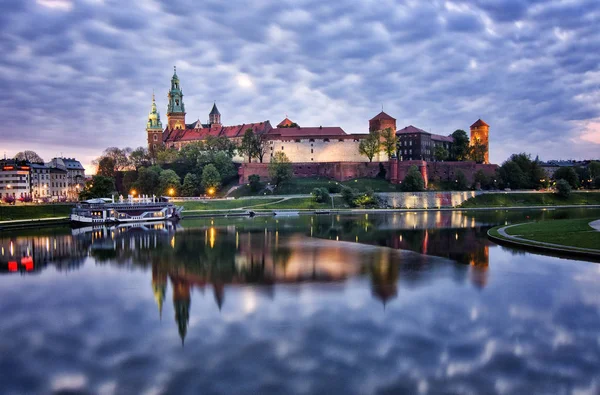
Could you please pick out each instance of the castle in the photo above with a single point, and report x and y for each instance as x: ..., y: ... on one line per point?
x: 314, y: 144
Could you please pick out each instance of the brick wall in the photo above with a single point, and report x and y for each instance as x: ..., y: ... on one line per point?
x: 340, y: 171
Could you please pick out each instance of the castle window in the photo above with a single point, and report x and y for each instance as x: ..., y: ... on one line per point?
x: 341, y: 140
x: 297, y: 140
x: 155, y: 137
x: 325, y: 140
x: 312, y: 140
x: 282, y: 147
x: 311, y: 150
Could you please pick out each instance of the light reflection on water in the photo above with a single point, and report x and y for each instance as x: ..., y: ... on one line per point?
x: 423, y: 303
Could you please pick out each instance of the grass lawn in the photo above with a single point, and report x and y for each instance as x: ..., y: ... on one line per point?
x: 223, y: 204
x: 33, y: 211
x: 568, y: 232
x: 502, y: 199
x: 304, y: 204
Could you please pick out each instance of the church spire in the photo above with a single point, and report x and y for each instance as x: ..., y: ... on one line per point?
x: 154, y: 122
x: 214, y: 116
x: 175, y: 108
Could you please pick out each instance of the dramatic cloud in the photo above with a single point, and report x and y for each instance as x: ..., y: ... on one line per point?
x: 78, y: 75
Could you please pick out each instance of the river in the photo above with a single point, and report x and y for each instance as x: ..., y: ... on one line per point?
x: 418, y: 303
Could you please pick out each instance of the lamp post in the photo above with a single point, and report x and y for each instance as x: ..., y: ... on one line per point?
x: 171, y: 192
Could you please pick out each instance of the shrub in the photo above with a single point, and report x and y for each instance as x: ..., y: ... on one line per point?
x: 334, y: 187
x: 366, y: 199
x: 461, y: 181
x: 413, y: 182
x: 597, y: 182
x: 349, y: 194
x: 254, y: 181
x: 563, y: 188
x: 320, y: 195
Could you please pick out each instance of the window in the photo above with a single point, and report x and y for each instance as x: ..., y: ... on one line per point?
x: 325, y: 140
x: 298, y: 140
x: 282, y: 147
x: 410, y: 143
x: 311, y: 150
x: 312, y: 140
x: 155, y: 137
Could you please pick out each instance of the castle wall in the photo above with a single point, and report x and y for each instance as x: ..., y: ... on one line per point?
x: 426, y: 200
x: 318, y: 150
x: 446, y: 171
x: 339, y: 171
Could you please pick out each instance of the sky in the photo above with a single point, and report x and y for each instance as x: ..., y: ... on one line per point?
x: 77, y: 76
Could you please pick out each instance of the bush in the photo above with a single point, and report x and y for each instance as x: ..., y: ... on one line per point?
x: 320, y: 195
x: 366, y: 199
x: 254, y: 181
x: 563, y: 188
x: 413, y: 182
x: 349, y: 194
x: 597, y: 182
x: 334, y: 187
x: 567, y: 174
x: 461, y: 181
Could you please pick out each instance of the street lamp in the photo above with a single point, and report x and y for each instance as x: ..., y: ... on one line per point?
x: 133, y: 192
x: 171, y: 191
x: 211, y: 191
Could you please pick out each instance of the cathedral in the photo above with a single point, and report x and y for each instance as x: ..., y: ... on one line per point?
x: 313, y: 144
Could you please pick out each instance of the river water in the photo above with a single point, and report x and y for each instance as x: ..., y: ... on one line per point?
x: 417, y: 303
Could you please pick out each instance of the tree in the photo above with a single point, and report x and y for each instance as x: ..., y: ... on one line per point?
x: 29, y: 156
x: 260, y: 147
x: 120, y: 157
x: 320, y: 195
x: 98, y: 187
x: 512, y: 176
x: 190, y: 185
x: 166, y: 155
x: 280, y: 168
x: 597, y: 182
x: 481, y: 180
x: 476, y: 152
x: 569, y: 175
x: 210, y: 177
x: 370, y: 146
x: 148, y: 182
x: 563, y: 188
x: 106, y: 167
x: 254, y: 181
x: 440, y: 153
x: 390, y: 142
x: 224, y: 166
x: 594, y: 168
x: 169, y: 180
x: 460, y: 147
x: 461, y: 181
x: 220, y: 143
x: 413, y: 181
x: 139, y: 157
x: 247, y: 146
x: 129, y: 179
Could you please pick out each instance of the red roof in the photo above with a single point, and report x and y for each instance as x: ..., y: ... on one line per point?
x: 192, y: 134
x: 285, y: 122
x: 382, y: 115
x: 308, y: 132
x: 479, y: 123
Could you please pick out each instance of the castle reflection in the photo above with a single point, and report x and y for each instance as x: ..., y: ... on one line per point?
x: 264, y: 252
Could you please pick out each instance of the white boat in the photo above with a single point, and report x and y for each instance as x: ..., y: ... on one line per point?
x: 286, y: 213
x: 143, y: 209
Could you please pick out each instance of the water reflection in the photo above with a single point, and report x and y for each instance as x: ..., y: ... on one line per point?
x: 316, y: 300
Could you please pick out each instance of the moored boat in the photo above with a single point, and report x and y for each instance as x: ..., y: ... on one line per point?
x: 143, y: 209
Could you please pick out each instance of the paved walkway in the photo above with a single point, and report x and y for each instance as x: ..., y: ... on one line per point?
x: 522, y: 240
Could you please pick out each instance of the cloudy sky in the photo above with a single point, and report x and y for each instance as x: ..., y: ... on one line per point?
x: 77, y: 76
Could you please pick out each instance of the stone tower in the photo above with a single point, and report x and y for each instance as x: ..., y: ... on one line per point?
x: 154, y: 128
x: 382, y: 121
x: 480, y: 134
x: 214, y: 118
x: 175, y: 109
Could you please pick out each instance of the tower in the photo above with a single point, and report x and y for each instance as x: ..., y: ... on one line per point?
x: 154, y: 128
x: 214, y: 118
x: 175, y: 108
x: 382, y: 121
x: 480, y: 135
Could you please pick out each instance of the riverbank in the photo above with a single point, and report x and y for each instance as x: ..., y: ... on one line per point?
x: 565, y: 236
x: 539, y: 199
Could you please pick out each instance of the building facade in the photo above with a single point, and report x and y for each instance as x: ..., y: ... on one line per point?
x: 74, y: 177
x: 14, y: 180
x: 417, y: 144
x: 40, y: 181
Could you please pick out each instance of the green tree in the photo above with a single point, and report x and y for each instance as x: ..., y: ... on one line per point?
x: 440, y: 153
x: 460, y: 146
x: 320, y: 195
x: 413, y: 181
x: 166, y: 155
x: 254, y: 181
x: 139, y: 157
x: 594, y: 168
x: 247, y: 145
x: 220, y: 143
x: 210, y: 177
x: 190, y: 185
x: 129, y: 179
x: 569, y: 175
x: 148, y: 182
x: 597, y: 182
x: 511, y: 176
x: 476, y: 152
x: 481, y: 180
x: 106, y: 167
x: 280, y: 168
x: 224, y: 165
x: 390, y: 142
x: 461, y: 181
x: 169, y: 180
x: 563, y: 188
x: 98, y: 187
x: 370, y: 146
